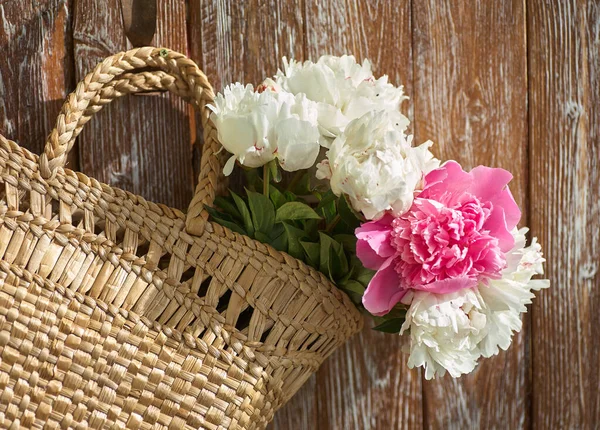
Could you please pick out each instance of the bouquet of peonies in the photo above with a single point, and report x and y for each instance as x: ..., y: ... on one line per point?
x: 430, y: 250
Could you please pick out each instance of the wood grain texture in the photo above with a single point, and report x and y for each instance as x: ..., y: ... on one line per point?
x: 471, y: 99
x: 141, y: 143
x: 244, y: 42
x: 490, y: 83
x: 37, y: 68
x: 366, y: 384
x: 564, y: 92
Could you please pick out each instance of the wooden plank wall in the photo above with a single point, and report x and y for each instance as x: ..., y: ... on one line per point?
x: 470, y: 98
x: 507, y: 83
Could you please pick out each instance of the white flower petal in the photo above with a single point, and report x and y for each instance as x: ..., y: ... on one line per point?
x: 449, y: 332
x: 236, y: 133
x: 251, y: 126
x: 298, y: 144
x: 228, y: 168
x: 344, y: 89
x: 376, y: 166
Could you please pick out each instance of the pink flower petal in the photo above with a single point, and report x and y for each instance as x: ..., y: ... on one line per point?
x: 496, y: 224
x: 368, y: 256
x: 446, y: 183
x: 373, y: 246
x: 384, y: 290
x: 488, y: 182
x: 512, y: 213
x: 455, y: 235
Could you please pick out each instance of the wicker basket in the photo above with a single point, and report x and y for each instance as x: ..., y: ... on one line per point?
x: 118, y: 312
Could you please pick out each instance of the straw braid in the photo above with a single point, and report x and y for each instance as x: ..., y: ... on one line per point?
x: 185, y: 298
x: 81, y: 192
x: 212, y: 330
x: 131, y: 83
x: 96, y: 91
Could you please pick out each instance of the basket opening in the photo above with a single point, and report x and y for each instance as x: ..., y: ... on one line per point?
x: 55, y: 205
x: 265, y: 334
x: 309, y: 343
x: 77, y: 218
x: 204, y: 286
x: 244, y: 318
x: 165, y: 260
x: 142, y: 248
x: 23, y: 198
x: 188, y: 274
x: 99, y: 227
x: 120, y: 236
x: 224, y: 302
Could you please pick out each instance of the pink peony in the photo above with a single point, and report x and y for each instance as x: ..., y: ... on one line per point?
x: 455, y: 235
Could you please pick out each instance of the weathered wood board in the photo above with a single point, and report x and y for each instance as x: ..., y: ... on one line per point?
x: 514, y: 84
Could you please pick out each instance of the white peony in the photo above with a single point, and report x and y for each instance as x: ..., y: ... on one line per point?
x: 257, y: 127
x: 343, y: 89
x: 445, y: 330
x: 449, y: 332
x: 506, y: 298
x: 374, y: 163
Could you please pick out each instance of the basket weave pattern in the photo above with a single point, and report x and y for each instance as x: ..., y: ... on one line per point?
x: 115, y: 311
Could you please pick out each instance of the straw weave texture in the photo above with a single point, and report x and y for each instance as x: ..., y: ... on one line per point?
x: 116, y: 312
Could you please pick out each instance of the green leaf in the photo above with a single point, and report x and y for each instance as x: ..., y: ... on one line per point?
x: 276, y: 231
x: 328, y: 212
x: 280, y: 243
x: 347, y: 213
x: 326, y: 198
x: 259, y: 235
x: 326, y: 206
x: 340, y: 261
x: 262, y: 211
x: 362, y: 274
x: 253, y: 179
x: 333, y: 261
x: 390, y: 326
x: 311, y: 229
x: 354, y: 290
x: 218, y: 214
x: 312, y: 251
x: 244, y: 213
x: 396, y: 312
x: 277, y: 197
x: 348, y: 276
x: 325, y: 254
x: 224, y: 220
x: 295, y: 211
x: 227, y: 206
x: 354, y: 287
x: 348, y: 241
x: 302, y: 188
x: 289, y: 196
x: 294, y: 235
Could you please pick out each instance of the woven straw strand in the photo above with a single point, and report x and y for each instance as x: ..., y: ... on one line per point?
x: 115, y: 313
x: 75, y: 113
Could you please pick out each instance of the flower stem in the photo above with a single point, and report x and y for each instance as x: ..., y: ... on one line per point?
x: 266, y: 179
x: 333, y: 223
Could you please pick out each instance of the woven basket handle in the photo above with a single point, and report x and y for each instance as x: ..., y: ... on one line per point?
x: 138, y: 70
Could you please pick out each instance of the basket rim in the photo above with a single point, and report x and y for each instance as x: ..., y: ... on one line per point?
x: 65, y: 232
x: 27, y: 167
